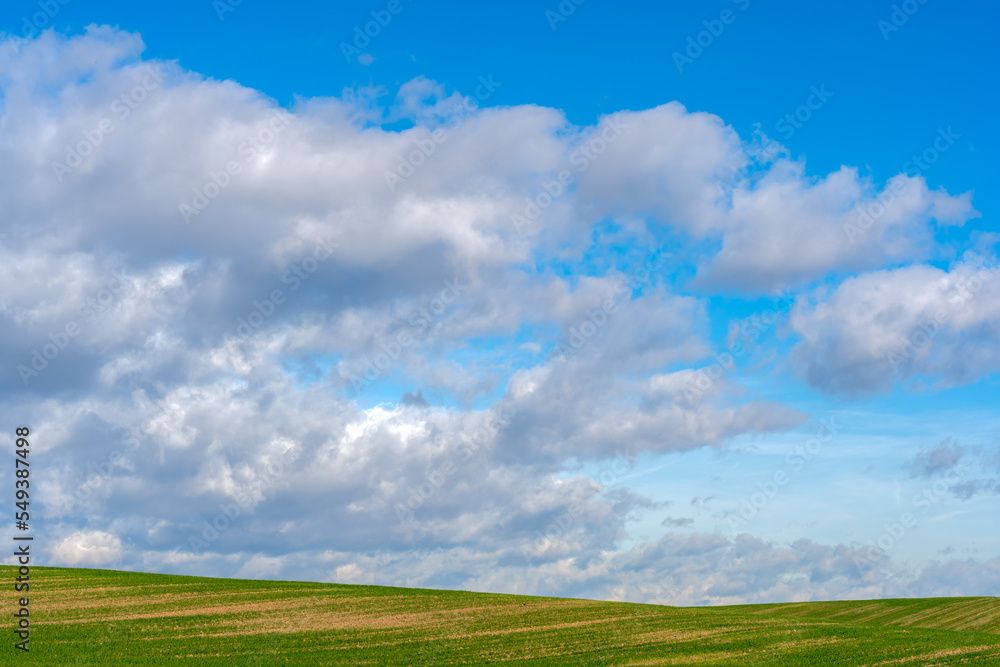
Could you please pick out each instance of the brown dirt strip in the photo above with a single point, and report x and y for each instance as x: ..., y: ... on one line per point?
x: 940, y: 654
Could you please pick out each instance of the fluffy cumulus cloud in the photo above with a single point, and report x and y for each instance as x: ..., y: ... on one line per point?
x: 269, y: 342
x: 917, y: 322
x: 87, y: 548
x: 786, y: 230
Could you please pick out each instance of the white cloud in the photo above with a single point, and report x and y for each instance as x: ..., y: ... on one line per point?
x: 677, y: 569
x: 786, y: 229
x: 890, y: 326
x: 260, y: 567
x: 666, y: 164
x: 88, y: 547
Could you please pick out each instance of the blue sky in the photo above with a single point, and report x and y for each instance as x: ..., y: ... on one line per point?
x: 549, y: 222
x: 890, y: 95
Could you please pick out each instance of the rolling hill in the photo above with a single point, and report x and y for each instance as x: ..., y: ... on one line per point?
x: 103, y: 617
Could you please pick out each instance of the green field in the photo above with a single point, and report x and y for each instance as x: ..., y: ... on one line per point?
x: 103, y: 617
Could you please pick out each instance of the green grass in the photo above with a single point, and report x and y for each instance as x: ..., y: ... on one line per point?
x: 102, y: 617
